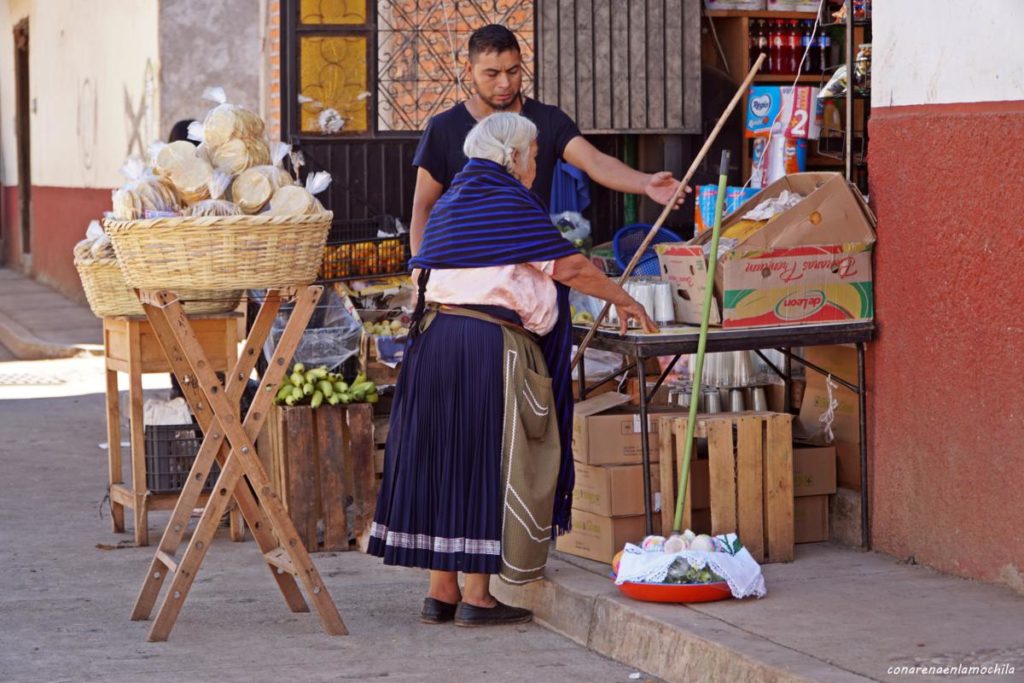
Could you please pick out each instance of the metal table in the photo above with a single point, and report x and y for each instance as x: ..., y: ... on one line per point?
x: 679, y: 340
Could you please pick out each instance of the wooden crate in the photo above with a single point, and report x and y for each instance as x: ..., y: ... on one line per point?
x: 370, y: 365
x: 321, y: 462
x: 381, y: 426
x: 750, y: 460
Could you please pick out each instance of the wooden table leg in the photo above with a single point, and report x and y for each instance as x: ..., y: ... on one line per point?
x: 114, y: 471
x: 236, y: 524
x: 251, y: 511
x: 290, y: 557
x: 137, y: 430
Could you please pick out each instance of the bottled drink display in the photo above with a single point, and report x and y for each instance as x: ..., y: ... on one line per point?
x: 810, y: 46
x: 777, y: 39
x: 824, y: 47
x: 753, y: 42
x: 795, y: 51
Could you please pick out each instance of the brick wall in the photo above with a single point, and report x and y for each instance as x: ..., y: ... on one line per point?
x: 415, y: 87
x: 272, y: 60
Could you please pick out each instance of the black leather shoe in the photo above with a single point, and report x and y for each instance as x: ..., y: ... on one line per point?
x: 471, y: 615
x: 437, y: 612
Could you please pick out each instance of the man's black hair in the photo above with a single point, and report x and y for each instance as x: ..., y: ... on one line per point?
x: 180, y: 132
x: 492, y: 38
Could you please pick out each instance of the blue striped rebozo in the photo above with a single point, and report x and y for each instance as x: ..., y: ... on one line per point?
x: 488, y: 218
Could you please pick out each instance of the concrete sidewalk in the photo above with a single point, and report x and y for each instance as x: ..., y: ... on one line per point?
x: 835, y: 614
x: 36, y: 322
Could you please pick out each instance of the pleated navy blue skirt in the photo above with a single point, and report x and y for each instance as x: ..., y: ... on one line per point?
x: 439, y: 505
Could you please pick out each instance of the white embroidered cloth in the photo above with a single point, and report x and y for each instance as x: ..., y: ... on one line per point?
x: 733, y: 563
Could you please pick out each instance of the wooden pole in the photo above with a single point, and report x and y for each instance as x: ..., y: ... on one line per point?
x: 670, y: 205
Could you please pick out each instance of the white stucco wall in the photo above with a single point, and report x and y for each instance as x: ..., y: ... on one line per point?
x: 94, y: 72
x: 11, y: 12
x: 944, y: 51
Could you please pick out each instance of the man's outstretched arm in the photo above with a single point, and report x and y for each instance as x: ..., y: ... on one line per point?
x: 608, y: 171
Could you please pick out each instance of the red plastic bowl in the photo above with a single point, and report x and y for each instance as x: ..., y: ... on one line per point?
x: 677, y: 592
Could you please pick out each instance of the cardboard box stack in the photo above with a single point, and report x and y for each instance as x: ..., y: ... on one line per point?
x: 841, y: 361
x: 608, y: 501
x: 814, y: 479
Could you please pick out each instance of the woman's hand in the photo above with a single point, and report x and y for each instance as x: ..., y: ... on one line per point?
x: 633, y: 310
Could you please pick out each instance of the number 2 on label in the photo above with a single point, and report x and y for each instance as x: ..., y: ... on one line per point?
x: 798, y: 127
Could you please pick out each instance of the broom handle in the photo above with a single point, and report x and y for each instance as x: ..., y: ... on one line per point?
x: 702, y: 342
x: 670, y: 205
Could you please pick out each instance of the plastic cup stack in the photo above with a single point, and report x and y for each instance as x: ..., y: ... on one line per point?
x: 712, y: 400
x: 736, y: 401
x: 664, y: 309
x: 759, y: 400
x: 645, y: 295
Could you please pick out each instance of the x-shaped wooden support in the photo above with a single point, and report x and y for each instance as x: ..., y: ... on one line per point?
x: 242, y: 478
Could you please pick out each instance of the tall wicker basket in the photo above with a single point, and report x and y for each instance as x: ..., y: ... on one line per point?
x: 220, y: 252
x: 109, y: 295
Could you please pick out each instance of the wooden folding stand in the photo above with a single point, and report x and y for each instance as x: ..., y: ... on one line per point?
x: 231, y: 441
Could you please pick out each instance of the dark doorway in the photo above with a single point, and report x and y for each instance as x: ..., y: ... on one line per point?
x: 22, y: 116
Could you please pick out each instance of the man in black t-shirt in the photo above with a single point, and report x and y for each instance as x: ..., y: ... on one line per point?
x: 495, y: 69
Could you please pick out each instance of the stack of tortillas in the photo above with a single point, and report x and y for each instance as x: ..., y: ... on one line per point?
x: 213, y: 207
x: 192, y: 179
x: 254, y: 187
x: 227, y: 121
x: 170, y: 156
x: 151, y: 193
x: 190, y: 173
x: 238, y: 154
x: 293, y: 200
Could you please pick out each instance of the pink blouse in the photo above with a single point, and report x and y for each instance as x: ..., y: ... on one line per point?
x: 525, y: 288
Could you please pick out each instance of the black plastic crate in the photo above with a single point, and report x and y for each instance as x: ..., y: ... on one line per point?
x: 170, y: 452
x: 354, y: 250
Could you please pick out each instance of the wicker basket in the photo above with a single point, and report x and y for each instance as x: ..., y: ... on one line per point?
x: 110, y: 296
x: 220, y: 252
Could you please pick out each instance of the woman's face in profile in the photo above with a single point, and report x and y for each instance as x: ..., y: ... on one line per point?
x: 526, y: 169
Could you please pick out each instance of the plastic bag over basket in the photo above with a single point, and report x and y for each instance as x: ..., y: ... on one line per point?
x: 331, y: 338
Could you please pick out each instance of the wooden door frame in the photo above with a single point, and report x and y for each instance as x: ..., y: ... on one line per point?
x: 23, y: 134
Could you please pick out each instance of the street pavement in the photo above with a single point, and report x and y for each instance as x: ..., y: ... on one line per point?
x: 68, y: 583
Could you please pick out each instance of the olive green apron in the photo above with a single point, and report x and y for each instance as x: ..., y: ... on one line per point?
x: 530, y: 453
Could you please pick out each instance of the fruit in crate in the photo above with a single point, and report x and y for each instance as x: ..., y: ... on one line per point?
x: 386, y: 328
x: 364, y: 258
x: 318, y: 386
x: 391, y: 255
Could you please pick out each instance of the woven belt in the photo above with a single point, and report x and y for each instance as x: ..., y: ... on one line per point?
x: 486, y: 317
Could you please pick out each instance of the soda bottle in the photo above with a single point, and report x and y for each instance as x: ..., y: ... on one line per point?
x: 824, y: 45
x: 762, y: 39
x: 810, y: 47
x: 753, y: 43
x: 793, y: 37
x: 778, y: 40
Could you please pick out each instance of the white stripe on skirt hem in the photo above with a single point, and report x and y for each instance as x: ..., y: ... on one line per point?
x: 438, y: 544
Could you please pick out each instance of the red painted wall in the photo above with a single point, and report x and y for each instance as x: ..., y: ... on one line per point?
x: 60, y: 216
x: 946, y: 375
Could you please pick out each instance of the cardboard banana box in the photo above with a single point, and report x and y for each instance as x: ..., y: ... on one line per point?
x: 809, y: 264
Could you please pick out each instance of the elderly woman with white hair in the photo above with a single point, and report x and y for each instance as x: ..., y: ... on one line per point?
x: 478, y: 471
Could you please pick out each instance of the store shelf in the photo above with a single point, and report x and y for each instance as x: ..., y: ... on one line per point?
x: 813, y: 79
x: 833, y: 148
x: 761, y: 14
x: 857, y: 95
x: 857, y: 23
x: 816, y: 161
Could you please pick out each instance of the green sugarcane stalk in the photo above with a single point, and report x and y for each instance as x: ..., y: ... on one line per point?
x: 698, y: 370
